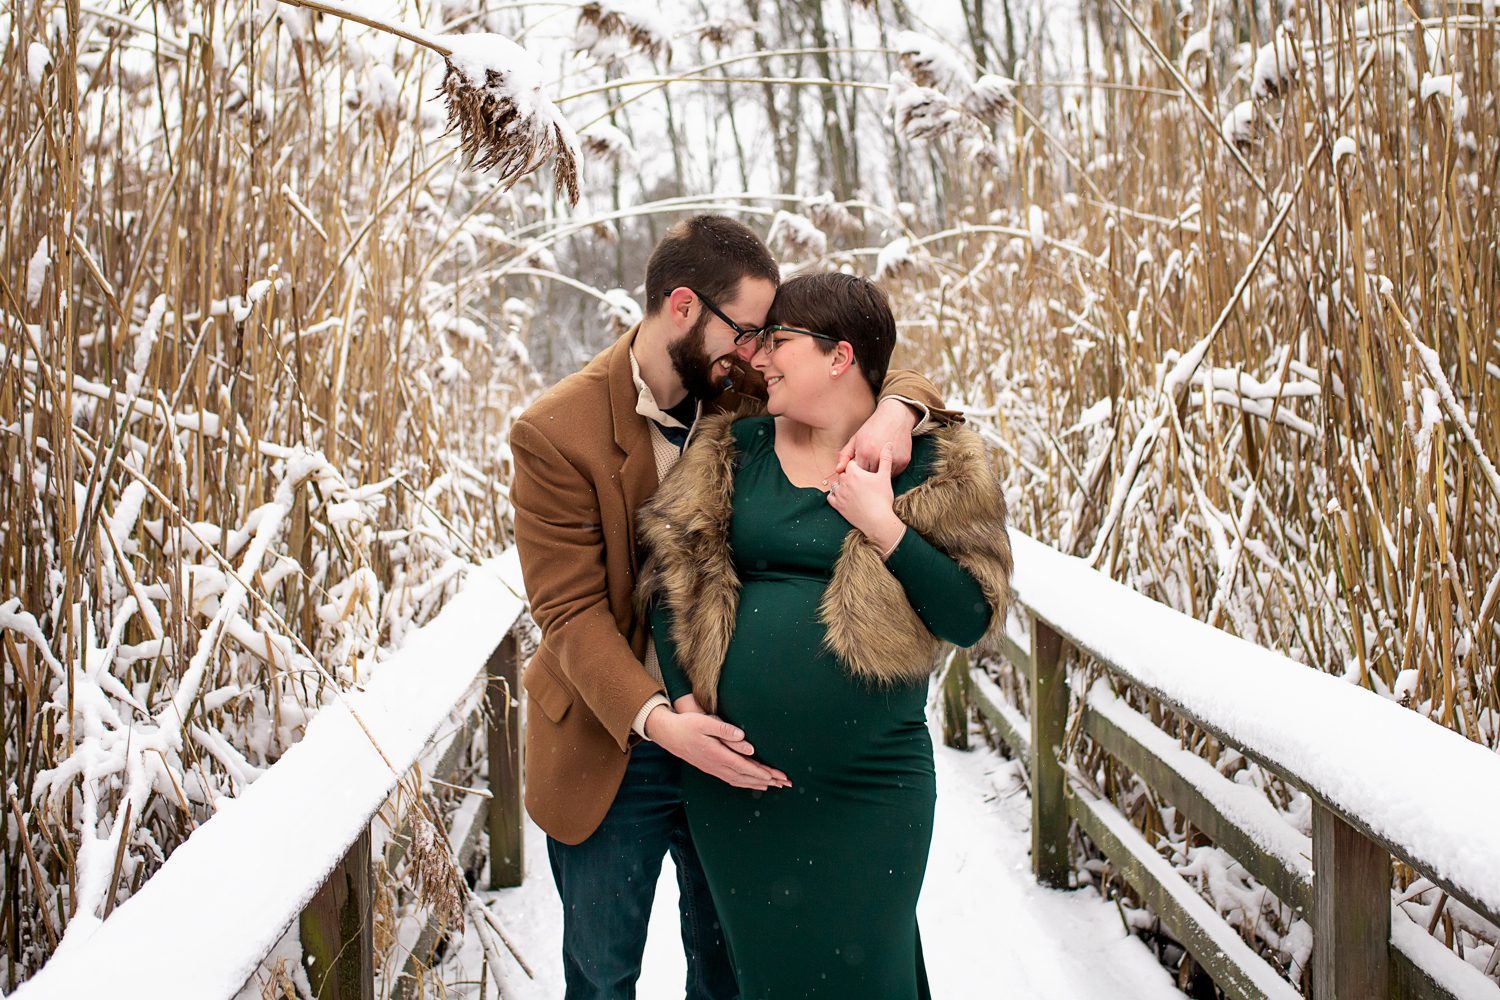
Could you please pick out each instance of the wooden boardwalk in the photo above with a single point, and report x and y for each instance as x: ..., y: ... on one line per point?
x: 988, y: 929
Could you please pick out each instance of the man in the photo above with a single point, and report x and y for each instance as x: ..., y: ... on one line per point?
x: 603, y: 746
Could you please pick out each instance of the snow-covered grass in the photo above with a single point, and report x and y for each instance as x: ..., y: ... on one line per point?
x: 230, y: 891
x: 1280, y: 429
x: 240, y: 466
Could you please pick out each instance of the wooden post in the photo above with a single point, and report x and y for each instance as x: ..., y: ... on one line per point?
x: 956, y: 701
x: 506, y: 824
x: 338, y: 929
x: 1049, y: 720
x: 1351, y: 911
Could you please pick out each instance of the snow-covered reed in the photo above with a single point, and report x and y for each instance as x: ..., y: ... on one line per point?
x: 1222, y: 297
x: 242, y: 461
x: 1269, y: 405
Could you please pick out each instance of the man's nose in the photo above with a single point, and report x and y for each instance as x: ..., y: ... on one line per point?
x: 748, y: 350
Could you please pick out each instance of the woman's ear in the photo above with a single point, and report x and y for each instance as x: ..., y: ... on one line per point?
x: 842, y: 358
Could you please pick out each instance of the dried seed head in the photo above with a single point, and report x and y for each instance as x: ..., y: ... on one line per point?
x: 796, y: 236
x: 991, y: 96
x: 830, y: 215
x: 925, y: 114
x: 622, y: 311
x: 976, y: 147
x: 504, y: 120
x: 723, y: 33
x: 433, y: 873
x: 606, y: 143
x: 1277, y: 65
x: 1242, y: 125
x: 930, y: 63
x: 898, y: 261
x: 600, y: 21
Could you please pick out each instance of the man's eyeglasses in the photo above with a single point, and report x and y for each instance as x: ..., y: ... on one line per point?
x: 742, y: 334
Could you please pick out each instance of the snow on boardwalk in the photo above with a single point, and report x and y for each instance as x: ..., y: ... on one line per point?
x: 987, y: 928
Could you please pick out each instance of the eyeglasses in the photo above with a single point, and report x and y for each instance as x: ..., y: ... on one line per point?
x: 768, y: 343
x: 742, y: 334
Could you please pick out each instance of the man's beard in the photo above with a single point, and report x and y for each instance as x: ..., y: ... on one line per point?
x: 691, y: 362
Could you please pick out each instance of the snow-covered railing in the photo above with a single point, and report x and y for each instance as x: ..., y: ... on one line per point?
x: 1384, y: 782
x: 295, y: 846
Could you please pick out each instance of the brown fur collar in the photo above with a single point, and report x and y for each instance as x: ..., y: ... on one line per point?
x: 872, y: 628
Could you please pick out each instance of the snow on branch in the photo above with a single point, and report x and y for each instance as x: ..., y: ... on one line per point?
x: 795, y: 235
x: 606, y: 21
x: 504, y: 120
x: 496, y: 104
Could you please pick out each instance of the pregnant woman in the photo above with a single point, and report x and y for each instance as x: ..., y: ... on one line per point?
x: 807, y: 608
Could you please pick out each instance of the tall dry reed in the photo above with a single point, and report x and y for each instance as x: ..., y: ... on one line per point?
x: 247, y: 446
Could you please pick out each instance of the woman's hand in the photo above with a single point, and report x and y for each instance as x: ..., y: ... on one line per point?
x: 866, y: 500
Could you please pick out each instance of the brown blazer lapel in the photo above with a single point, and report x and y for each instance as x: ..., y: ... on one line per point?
x: 638, y: 471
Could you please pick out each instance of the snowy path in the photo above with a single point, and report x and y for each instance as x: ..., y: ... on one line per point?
x: 988, y: 929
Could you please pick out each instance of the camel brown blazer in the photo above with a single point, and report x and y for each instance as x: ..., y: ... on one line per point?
x: 583, y: 467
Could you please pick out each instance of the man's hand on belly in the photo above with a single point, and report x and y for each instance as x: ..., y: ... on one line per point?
x: 713, y: 746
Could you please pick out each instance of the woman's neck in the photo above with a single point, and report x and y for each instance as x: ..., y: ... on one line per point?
x: 823, y: 436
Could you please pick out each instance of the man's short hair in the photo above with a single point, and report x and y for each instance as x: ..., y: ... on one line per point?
x: 845, y: 307
x: 710, y: 254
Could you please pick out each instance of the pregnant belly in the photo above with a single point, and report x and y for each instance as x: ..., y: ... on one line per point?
x: 798, y: 704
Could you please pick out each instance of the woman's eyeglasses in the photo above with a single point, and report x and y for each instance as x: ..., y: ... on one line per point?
x: 760, y: 334
x: 767, y: 340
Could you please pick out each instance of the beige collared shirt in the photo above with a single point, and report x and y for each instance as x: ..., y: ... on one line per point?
x: 666, y: 454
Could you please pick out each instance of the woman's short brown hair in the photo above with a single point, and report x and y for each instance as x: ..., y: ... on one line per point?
x: 845, y: 307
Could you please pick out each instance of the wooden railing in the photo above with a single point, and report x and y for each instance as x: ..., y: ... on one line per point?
x: 295, y: 846
x: 1339, y: 880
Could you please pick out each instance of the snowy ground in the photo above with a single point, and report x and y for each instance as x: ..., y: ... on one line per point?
x: 988, y: 929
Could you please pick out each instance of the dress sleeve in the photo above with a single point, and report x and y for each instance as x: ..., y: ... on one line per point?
x: 947, y: 599
x: 666, y: 651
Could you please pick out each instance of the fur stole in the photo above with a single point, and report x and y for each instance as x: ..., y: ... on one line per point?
x: 871, y: 627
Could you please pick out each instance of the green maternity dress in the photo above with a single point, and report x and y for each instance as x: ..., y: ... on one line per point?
x: 817, y: 885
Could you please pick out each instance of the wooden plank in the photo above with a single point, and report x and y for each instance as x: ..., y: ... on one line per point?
x: 1351, y: 911
x: 1409, y: 981
x: 956, y: 701
x: 1237, y: 970
x: 506, y: 815
x: 1050, y: 860
x: 338, y: 935
x: 1018, y: 655
x: 1406, y: 854
x: 1014, y: 728
x: 1292, y: 885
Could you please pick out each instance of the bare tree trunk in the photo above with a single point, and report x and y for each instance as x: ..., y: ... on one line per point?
x: 974, y: 19
x: 851, y: 72
x: 784, y: 133
x: 833, y: 126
